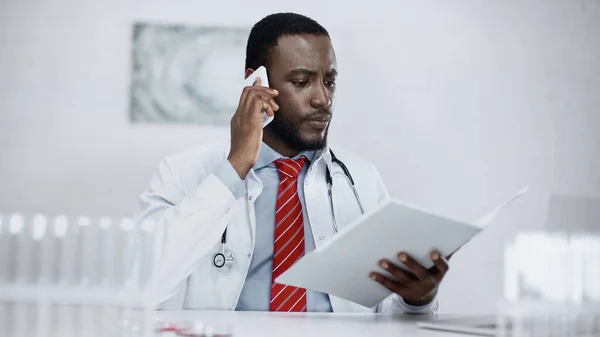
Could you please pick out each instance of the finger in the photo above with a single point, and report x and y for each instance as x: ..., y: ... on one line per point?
x: 248, y: 98
x: 401, y: 276
x: 249, y: 104
x: 258, y: 106
x: 418, y: 270
x: 244, y: 97
x: 268, y: 109
x: 255, y: 106
x: 391, y: 285
x: 249, y: 94
x: 269, y: 105
x: 257, y: 82
x: 271, y: 102
x: 441, y: 266
x: 270, y: 92
x: 274, y: 104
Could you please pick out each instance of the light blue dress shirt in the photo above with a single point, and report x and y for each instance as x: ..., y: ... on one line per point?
x: 256, y: 293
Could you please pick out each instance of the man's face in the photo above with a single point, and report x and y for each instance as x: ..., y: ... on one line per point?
x: 303, y: 70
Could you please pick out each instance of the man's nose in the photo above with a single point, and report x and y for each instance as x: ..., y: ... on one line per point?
x: 320, y: 96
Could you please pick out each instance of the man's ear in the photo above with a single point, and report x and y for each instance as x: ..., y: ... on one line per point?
x: 248, y: 72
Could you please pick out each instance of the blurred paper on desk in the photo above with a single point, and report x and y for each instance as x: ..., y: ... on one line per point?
x: 341, y: 267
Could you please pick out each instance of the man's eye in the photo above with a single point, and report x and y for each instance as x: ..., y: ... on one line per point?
x: 330, y: 84
x: 299, y: 83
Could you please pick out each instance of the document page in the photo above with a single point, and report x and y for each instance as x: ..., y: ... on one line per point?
x: 341, y: 267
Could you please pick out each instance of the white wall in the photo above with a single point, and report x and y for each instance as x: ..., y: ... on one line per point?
x: 459, y: 103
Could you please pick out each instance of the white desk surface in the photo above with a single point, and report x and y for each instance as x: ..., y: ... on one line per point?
x: 265, y: 324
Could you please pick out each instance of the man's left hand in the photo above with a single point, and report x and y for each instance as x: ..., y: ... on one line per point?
x: 417, y: 286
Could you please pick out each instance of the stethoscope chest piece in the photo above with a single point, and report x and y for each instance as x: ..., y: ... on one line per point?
x: 223, y: 259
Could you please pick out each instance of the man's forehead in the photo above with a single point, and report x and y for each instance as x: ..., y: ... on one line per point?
x: 308, y: 51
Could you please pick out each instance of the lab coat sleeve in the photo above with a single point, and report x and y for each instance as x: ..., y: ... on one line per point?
x: 227, y: 174
x: 187, y: 227
x: 395, y: 303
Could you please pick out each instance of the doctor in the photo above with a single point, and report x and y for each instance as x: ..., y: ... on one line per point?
x: 232, y: 219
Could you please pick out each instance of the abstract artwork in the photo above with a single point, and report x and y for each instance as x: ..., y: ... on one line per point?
x: 186, y: 74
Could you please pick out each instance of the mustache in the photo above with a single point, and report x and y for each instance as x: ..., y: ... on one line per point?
x: 318, y: 115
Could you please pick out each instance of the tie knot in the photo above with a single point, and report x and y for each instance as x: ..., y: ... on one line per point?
x: 290, y: 167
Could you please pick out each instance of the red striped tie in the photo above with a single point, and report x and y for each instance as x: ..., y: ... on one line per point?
x: 289, y: 236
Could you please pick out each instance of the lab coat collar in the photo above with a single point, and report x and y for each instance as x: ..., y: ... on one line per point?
x: 267, y: 156
x: 323, y: 154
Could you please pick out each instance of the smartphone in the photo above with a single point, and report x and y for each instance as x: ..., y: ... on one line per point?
x: 262, y: 73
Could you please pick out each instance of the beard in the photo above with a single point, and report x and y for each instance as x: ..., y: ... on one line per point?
x: 287, y: 131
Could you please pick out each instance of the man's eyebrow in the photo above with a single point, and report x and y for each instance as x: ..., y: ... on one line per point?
x: 307, y: 72
x: 302, y: 71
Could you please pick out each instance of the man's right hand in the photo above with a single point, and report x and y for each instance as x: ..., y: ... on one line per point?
x: 247, y: 126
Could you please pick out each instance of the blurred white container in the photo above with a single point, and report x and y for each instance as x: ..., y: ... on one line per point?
x: 66, y: 276
x: 551, y: 285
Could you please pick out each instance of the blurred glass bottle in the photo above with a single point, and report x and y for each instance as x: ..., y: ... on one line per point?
x: 5, y: 253
x: 68, y: 252
x: 141, y: 251
x: 23, y: 262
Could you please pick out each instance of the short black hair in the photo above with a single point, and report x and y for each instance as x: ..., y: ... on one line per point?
x: 266, y: 32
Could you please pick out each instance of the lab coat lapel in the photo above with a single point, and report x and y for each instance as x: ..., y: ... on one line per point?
x: 319, y: 212
x: 254, y: 188
x: 316, y: 198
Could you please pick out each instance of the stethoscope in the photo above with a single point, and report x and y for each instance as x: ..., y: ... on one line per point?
x: 224, y: 259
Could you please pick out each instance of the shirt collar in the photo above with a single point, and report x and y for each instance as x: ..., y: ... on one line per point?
x: 267, y: 156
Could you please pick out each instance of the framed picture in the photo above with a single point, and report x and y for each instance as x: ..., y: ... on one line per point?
x: 186, y: 74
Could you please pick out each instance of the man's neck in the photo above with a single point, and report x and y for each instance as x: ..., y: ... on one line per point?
x: 279, y: 146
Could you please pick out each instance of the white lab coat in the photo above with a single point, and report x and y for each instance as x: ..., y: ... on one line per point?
x: 192, y: 208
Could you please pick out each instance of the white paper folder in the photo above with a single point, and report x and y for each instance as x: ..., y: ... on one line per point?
x: 341, y: 267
